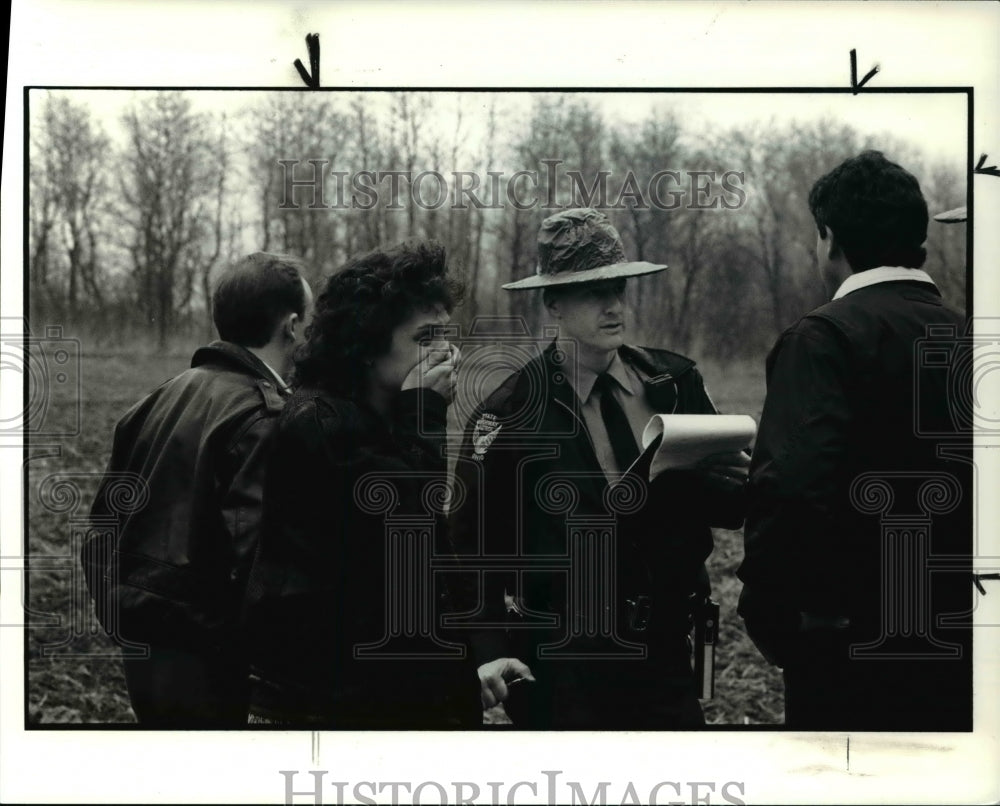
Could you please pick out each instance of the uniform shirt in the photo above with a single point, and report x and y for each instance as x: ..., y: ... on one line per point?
x: 628, y: 391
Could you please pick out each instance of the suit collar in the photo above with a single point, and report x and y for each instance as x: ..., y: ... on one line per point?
x: 883, y: 274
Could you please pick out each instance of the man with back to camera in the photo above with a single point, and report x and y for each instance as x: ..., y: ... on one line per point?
x: 175, y: 578
x: 836, y: 592
x: 576, y: 414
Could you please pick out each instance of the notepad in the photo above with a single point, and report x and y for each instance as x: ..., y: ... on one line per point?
x: 679, y: 441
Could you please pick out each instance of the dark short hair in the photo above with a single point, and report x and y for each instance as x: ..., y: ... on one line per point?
x: 251, y: 298
x: 876, y: 211
x: 362, y: 304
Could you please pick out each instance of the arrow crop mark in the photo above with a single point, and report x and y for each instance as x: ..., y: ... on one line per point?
x: 855, y: 84
x: 312, y: 76
x: 988, y: 170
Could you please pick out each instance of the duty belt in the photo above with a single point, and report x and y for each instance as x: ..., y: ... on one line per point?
x: 662, y: 617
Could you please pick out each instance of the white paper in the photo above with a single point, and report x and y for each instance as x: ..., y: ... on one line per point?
x: 689, y: 438
x: 628, y: 45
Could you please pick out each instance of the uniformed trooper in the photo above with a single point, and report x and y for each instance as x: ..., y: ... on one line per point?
x: 608, y: 638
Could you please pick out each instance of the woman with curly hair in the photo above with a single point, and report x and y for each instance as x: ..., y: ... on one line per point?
x: 339, y: 637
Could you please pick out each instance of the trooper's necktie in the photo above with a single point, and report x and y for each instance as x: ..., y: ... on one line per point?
x: 619, y: 431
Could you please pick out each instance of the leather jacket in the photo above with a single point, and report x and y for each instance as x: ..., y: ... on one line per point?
x: 176, y: 518
x: 346, y: 488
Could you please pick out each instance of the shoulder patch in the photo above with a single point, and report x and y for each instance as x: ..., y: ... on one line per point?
x: 485, y: 430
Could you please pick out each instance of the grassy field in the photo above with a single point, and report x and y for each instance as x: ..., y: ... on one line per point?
x: 748, y: 691
x: 74, y: 672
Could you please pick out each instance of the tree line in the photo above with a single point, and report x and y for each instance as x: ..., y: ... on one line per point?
x: 127, y: 233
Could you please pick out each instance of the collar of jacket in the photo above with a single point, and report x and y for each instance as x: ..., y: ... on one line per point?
x: 235, y: 357
x: 661, y: 367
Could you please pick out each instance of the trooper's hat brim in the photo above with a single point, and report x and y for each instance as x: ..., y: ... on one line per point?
x: 612, y: 272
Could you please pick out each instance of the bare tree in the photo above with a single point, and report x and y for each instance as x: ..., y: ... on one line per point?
x: 365, y: 229
x: 208, y: 253
x: 945, y: 188
x: 780, y: 165
x: 650, y: 233
x: 69, y: 192
x: 166, y: 181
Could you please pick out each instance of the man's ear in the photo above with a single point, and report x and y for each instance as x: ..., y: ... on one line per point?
x: 832, y: 245
x: 289, y: 326
x: 551, y: 303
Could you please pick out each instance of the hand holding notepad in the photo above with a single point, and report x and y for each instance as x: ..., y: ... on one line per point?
x: 685, y: 440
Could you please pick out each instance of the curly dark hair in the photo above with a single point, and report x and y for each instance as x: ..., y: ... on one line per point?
x: 876, y: 210
x: 362, y: 304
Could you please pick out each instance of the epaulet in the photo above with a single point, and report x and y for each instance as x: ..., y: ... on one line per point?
x: 270, y: 396
x: 498, y: 402
x: 660, y: 365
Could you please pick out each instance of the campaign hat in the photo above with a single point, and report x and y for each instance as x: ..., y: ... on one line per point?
x: 580, y: 246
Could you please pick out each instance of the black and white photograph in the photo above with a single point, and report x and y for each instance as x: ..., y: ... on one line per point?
x: 540, y: 427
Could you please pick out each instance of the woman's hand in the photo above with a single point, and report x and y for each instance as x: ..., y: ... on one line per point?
x: 437, y: 370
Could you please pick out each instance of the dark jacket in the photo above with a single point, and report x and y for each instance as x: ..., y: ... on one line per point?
x: 192, y: 455
x: 342, y: 485
x: 530, y: 432
x: 854, y: 388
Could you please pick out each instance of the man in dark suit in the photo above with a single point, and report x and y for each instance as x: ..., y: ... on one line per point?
x: 858, y: 533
